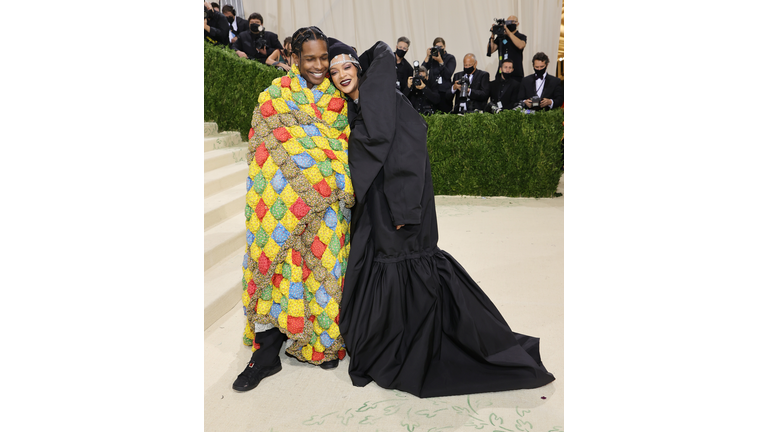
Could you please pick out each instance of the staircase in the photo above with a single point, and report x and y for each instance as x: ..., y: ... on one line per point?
x: 225, y: 178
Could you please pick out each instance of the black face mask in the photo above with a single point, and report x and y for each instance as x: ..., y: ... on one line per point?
x: 469, y: 71
x: 540, y: 73
x: 511, y: 27
x: 400, y: 53
x: 507, y: 75
x: 230, y: 19
x: 255, y: 28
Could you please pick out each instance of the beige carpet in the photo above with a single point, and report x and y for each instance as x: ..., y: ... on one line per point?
x: 513, y: 248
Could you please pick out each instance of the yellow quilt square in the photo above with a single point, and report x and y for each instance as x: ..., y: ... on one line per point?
x: 271, y: 249
x: 318, y: 345
x: 282, y: 319
x: 328, y: 260
x: 253, y: 170
x: 296, y: 307
x: 296, y: 273
x: 288, y: 195
x: 324, y: 100
x: 306, y: 352
x: 333, y: 331
x: 338, y: 166
x: 255, y: 251
x: 296, y: 131
x: 332, y: 309
x: 269, y: 196
x: 285, y: 286
x: 318, y: 154
x: 269, y: 223
x: 293, y: 147
x: 325, y: 233
x: 264, y: 307
x: 312, y: 284
x: 263, y: 97
x: 321, y: 142
x: 252, y: 198
x: 313, y: 174
x: 280, y: 106
x: 315, y: 308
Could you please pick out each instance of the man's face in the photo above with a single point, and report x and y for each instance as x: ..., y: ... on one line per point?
x: 229, y: 14
x: 469, y: 62
x: 313, y: 63
x: 539, y: 65
x: 507, y: 67
x: 441, y: 45
x: 402, y: 46
x: 513, y: 19
x: 254, y: 21
x: 423, y: 75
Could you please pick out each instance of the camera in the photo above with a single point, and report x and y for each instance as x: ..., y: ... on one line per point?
x: 259, y: 42
x: 535, y: 102
x: 492, y: 108
x: 437, y: 50
x: 464, y: 83
x: 416, y: 76
x: 498, y: 28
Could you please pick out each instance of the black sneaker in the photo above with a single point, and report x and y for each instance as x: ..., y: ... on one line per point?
x: 254, y: 373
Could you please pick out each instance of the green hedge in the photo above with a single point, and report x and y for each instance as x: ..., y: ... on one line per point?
x: 232, y: 87
x: 506, y: 154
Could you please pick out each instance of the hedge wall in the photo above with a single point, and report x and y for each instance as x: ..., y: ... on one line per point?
x: 232, y: 87
x: 506, y: 154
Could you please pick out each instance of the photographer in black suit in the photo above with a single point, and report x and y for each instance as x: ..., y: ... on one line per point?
x: 441, y: 65
x: 423, y: 93
x: 236, y: 24
x: 255, y: 43
x: 215, y: 26
x: 541, y: 90
x: 510, y: 45
x: 404, y: 69
x: 479, y: 86
x: 504, y: 89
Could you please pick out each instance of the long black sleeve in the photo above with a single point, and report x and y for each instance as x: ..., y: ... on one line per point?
x: 481, y: 92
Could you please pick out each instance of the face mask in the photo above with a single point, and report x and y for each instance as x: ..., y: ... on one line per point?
x: 400, y: 53
x: 469, y: 71
x: 255, y: 28
x: 540, y: 73
x: 507, y: 75
x: 230, y: 19
x: 512, y: 27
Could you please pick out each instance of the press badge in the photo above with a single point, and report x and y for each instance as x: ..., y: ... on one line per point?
x: 439, y: 80
x: 506, y: 56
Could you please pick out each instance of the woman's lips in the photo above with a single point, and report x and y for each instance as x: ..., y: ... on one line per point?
x: 345, y: 82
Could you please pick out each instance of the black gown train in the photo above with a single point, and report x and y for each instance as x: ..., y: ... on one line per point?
x: 411, y: 317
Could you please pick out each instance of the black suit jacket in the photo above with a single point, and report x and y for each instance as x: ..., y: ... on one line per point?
x: 246, y: 42
x: 504, y: 91
x: 242, y: 25
x: 553, y: 89
x: 219, y: 34
x: 478, y: 97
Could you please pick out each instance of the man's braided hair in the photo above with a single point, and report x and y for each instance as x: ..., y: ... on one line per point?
x: 304, y: 34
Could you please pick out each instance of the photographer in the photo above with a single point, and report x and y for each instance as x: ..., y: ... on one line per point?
x: 510, y: 45
x: 236, y: 24
x: 404, y: 69
x: 478, y: 87
x: 256, y: 43
x: 215, y: 26
x: 281, y: 58
x: 422, y: 92
x: 441, y: 65
x: 504, y: 89
x: 540, y: 90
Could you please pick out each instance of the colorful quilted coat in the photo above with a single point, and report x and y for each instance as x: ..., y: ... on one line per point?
x: 297, y: 216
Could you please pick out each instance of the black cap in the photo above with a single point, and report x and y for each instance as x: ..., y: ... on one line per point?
x: 336, y: 47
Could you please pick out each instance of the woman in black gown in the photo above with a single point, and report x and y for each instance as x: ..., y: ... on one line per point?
x: 411, y: 317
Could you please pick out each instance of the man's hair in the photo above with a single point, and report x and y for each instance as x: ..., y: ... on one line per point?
x: 438, y: 39
x: 229, y: 8
x: 507, y: 60
x: 257, y: 16
x: 472, y: 56
x: 215, y: 5
x: 304, y: 34
x: 404, y: 39
x: 540, y: 56
x: 424, y: 69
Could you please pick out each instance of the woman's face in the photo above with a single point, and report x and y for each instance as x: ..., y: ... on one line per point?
x: 344, y: 75
x: 313, y: 64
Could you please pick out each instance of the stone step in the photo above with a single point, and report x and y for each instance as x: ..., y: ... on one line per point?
x: 224, y: 178
x: 223, y: 287
x: 210, y: 128
x: 224, y: 205
x: 223, y: 140
x: 224, y: 239
x: 221, y: 157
